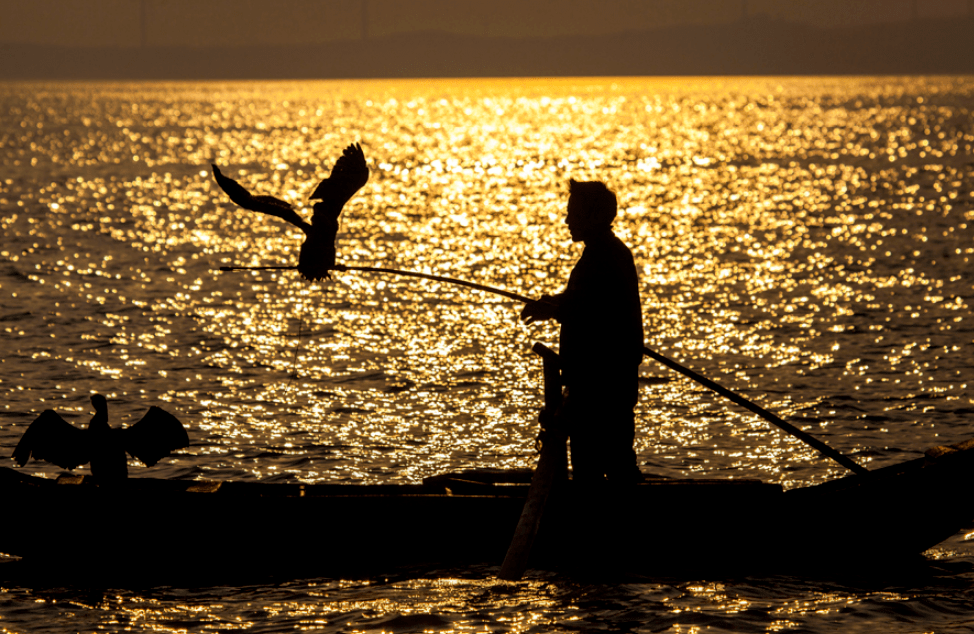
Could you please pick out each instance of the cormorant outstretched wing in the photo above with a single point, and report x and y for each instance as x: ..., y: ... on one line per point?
x: 348, y: 176
x: 263, y: 204
x: 55, y: 440
x: 154, y: 437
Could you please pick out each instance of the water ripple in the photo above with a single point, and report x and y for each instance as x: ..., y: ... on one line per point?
x: 806, y: 242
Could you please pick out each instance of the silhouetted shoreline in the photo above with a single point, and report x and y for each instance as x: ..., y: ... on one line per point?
x: 750, y: 47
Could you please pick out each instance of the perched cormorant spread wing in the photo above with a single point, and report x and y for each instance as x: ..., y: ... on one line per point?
x: 347, y: 177
x: 263, y: 204
x: 154, y: 437
x: 55, y: 440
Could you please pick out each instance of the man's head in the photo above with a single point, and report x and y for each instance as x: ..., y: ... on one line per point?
x: 591, y: 209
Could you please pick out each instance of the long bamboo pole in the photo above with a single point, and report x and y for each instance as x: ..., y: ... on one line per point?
x: 673, y: 365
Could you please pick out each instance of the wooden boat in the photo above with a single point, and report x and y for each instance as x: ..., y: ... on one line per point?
x: 147, y: 527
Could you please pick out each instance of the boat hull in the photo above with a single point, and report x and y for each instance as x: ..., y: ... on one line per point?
x: 148, y: 528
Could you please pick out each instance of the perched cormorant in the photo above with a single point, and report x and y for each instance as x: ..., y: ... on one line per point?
x: 318, y: 250
x: 55, y: 440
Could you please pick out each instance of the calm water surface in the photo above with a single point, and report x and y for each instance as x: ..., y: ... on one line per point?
x: 808, y: 242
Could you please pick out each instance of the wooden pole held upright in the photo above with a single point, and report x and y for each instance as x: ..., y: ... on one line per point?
x: 552, y: 466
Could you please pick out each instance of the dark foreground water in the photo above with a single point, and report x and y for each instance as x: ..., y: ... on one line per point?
x: 807, y: 242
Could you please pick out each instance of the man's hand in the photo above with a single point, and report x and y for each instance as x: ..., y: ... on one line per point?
x: 544, y: 308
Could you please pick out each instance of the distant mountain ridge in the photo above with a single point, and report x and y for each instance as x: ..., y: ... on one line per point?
x: 750, y: 47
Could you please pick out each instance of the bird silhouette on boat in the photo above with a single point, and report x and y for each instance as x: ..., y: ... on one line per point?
x: 53, y: 439
x: 318, y: 250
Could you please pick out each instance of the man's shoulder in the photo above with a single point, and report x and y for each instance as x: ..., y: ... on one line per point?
x: 617, y: 243
x: 609, y: 246
x: 607, y: 240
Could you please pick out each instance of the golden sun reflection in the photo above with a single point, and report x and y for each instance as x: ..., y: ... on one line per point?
x: 806, y: 242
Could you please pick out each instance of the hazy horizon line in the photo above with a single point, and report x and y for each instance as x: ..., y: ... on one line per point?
x: 763, y: 47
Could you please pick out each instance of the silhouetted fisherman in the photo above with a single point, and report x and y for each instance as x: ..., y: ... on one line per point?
x: 601, y: 340
x: 53, y: 439
x: 318, y: 250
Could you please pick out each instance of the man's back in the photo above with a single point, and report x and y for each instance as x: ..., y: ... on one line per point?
x: 601, y: 316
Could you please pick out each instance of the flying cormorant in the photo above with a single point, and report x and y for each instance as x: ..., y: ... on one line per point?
x: 318, y: 250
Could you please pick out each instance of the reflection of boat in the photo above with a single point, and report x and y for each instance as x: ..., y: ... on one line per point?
x: 663, y: 526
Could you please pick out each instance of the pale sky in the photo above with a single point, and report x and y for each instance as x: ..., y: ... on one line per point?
x: 197, y: 23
